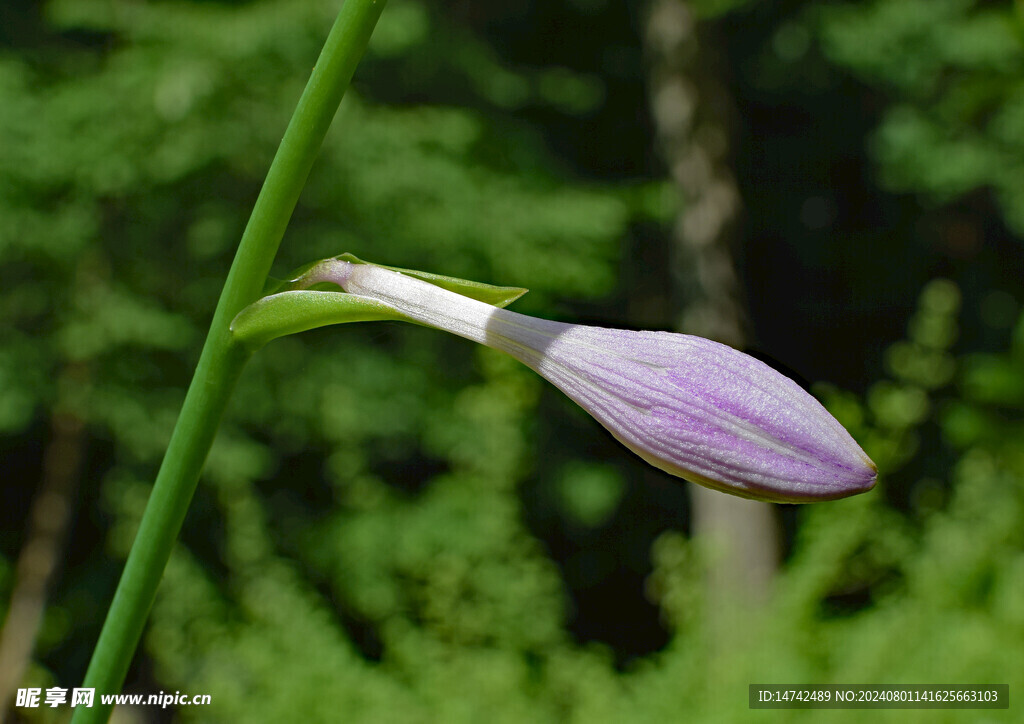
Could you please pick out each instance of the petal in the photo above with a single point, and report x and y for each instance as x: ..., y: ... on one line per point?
x: 708, y: 413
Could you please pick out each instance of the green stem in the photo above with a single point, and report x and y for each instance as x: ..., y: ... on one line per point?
x: 222, y: 359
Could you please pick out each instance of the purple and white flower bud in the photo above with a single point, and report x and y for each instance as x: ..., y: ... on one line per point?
x: 692, y: 407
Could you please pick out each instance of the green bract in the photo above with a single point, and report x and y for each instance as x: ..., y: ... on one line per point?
x: 487, y: 293
x: 290, y: 312
x: 296, y: 308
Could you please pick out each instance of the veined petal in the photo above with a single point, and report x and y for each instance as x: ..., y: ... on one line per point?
x: 692, y: 407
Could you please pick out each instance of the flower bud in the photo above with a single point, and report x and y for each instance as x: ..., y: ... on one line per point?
x: 689, y: 406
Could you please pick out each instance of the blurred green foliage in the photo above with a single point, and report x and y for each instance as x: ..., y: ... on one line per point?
x: 952, y: 68
x: 379, y: 534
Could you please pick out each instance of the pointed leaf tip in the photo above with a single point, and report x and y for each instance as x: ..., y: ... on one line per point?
x: 487, y: 293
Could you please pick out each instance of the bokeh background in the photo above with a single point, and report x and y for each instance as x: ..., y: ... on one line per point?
x: 397, y: 526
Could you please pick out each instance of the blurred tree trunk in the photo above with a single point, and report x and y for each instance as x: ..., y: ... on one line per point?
x: 48, y: 523
x: 692, y: 110
x: 49, y: 518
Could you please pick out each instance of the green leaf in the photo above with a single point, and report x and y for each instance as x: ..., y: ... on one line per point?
x: 298, y: 305
x: 487, y: 293
x: 296, y: 311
